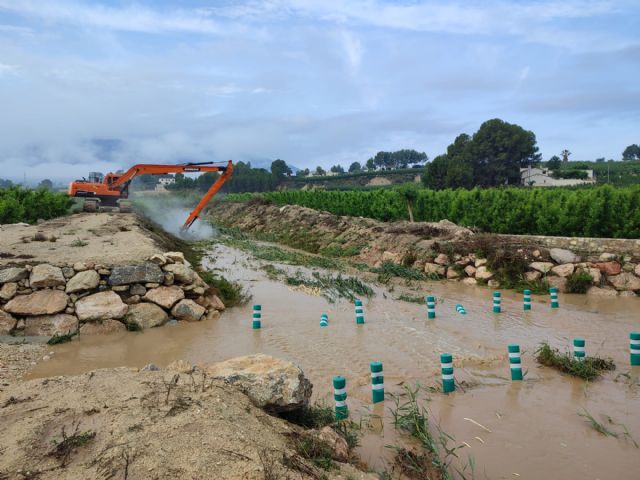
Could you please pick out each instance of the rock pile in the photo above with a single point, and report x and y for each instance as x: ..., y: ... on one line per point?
x: 610, y: 276
x: 48, y: 300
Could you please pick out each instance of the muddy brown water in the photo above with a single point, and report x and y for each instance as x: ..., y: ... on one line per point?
x: 535, y: 431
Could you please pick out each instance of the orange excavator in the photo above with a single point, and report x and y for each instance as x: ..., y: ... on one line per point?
x: 112, y: 190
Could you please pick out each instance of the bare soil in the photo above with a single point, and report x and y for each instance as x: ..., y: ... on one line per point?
x: 103, y: 238
x: 18, y: 359
x: 124, y: 423
x: 315, y: 231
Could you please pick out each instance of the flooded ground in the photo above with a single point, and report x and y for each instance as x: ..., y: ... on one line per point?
x: 531, y: 428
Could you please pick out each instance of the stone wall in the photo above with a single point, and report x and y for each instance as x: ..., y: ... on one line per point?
x: 86, y: 298
x: 611, y: 275
x: 589, y: 248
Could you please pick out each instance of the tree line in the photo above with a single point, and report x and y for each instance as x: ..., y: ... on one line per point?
x: 602, y: 211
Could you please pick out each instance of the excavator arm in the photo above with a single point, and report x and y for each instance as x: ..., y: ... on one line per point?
x: 141, y: 169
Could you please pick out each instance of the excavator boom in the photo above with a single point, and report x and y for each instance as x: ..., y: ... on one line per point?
x: 117, y: 185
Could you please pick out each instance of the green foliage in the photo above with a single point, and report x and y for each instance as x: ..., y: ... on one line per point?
x: 230, y: 293
x: 411, y: 298
x: 64, y: 338
x: 602, y: 211
x: 492, y: 157
x: 579, y: 282
x: 280, y: 169
x: 19, y: 204
x: 310, y: 447
x: 390, y: 269
x: 398, y: 159
x: 589, y: 368
x: 632, y: 152
x: 333, y: 287
x: 313, y: 416
x: 577, y: 174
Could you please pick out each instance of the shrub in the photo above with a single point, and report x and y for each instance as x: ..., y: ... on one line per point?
x: 19, y: 204
x: 579, y: 282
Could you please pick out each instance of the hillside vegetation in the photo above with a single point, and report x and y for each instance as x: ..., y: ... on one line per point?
x: 602, y: 211
x: 19, y: 204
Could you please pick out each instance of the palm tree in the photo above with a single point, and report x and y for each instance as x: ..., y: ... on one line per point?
x: 565, y: 155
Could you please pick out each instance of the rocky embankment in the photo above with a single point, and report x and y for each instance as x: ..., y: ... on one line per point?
x: 441, y: 250
x: 48, y: 299
x: 211, y: 421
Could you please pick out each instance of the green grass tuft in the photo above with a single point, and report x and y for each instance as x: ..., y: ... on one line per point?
x: 64, y: 338
x: 589, y: 369
x: 389, y: 269
x: 333, y: 287
x: 579, y: 282
x: 231, y: 293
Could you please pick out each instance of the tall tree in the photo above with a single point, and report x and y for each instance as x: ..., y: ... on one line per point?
x: 498, y: 151
x: 280, y: 169
x: 632, y: 152
x: 554, y: 163
x: 303, y: 173
x: 46, y: 183
x: 320, y: 171
x: 435, y: 173
x: 355, y: 167
x: 371, y: 164
x: 565, y: 155
x: 337, y: 169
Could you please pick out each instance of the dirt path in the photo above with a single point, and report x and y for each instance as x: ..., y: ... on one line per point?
x: 102, y: 238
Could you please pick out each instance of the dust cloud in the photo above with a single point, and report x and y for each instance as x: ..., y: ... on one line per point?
x: 170, y: 212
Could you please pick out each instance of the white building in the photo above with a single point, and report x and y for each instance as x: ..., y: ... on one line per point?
x: 542, y: 177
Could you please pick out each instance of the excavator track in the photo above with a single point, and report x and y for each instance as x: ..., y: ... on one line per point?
x: 125, y: 206
x: 91, y: 205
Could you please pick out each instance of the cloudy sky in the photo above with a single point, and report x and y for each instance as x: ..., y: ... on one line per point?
x: 102, y: 85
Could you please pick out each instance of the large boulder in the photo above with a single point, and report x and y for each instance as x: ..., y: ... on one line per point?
x: 559, y: 282
x: 563, y: 270
x: 166, y: 297
x: 8, y: 291
x: 101, y: 306
x: 146, y: 315
x: 482, y: 273
x: 609, y: 268
x: 7, y: 323
x: 596, y: 275
x: 128, y: 274
x: 625, y: 281
x: 50, y: 325
x: 442, y: 259
x: 562, y: 256
x: 85, y: 280
x: 45, y: 275
x: 102, y: 327
x: 181, y: 273
x: 602, y: 292
x: 177, y: 257
x: 431, y: 268
x: 542, y: 267
x: 532, y: 276
x: 452, y: 273
x: 42, y: 302
x: 14, y: 274
x: 210, y: 300
x: 188, y: 310
x: 270, y: 383
x: 470, y: 270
